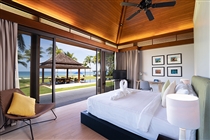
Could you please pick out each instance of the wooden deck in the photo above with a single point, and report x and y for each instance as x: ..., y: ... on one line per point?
x: 67, y: 126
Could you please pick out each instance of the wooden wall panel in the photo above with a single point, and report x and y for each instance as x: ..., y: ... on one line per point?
x: 98, y: 17
x: 40, y: 26
x: 107, y: 19
x: 170, y: 19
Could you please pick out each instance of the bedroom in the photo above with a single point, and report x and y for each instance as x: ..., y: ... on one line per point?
x: 201, y: 56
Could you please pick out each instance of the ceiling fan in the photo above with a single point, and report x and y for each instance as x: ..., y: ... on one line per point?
x: 145, y: 5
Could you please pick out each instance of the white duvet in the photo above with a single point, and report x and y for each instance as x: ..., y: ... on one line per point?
x: 140, y: 113
x: 141, y: 108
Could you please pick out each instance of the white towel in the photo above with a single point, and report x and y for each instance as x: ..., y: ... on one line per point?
x: 122, y: 92
x: 123, y: 85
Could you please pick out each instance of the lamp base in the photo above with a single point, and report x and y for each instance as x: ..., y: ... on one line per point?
x: 182, y: 134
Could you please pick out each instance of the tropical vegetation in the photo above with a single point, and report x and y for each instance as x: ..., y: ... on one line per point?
x: 24, y: 58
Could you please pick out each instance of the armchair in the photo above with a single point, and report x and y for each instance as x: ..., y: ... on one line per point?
x: 5, y: 101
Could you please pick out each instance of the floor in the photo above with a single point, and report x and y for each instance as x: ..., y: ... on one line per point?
x: 66, y: 127
x: 68, y: 97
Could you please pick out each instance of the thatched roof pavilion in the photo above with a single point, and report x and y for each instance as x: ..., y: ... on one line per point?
x: 62, y: 62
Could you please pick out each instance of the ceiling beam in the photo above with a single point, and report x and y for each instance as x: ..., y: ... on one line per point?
x: 122, y: 18
x: 156, y: 46
x: 160, y: 36
x: 168, y: 44
x: 129, y: 49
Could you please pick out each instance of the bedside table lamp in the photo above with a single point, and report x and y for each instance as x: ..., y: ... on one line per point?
x: 183, y: 111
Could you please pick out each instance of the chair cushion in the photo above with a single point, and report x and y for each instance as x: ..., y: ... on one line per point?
x: 22, y: 105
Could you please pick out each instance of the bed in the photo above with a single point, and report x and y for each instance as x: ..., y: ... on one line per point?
x: 97, y: 115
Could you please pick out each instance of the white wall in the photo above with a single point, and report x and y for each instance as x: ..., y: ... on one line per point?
x: 187, y: 52
x: 202, y: 38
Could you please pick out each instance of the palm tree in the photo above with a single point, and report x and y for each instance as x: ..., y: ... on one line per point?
x: 21, y: 43
x: 85, y: 64
x: 50, y: 50
x: 70, y: 55
x: 21, y: 48
x: 28, y: 54
x: 88, y: 60
x: 21, y: 57
x: 110, y: 64
x: 94, y: 58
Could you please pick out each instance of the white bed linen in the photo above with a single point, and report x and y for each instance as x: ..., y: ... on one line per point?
x: 125, y: 113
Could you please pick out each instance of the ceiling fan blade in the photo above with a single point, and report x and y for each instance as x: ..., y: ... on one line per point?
x: 163, y: 4
x: 149, y: 15
x: 128, y: 4
x: 133, y: 15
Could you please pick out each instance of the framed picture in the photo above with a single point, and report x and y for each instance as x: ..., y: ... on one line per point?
x: 175, y: 71
x: 158, y: 71
x: 174, y: 59
x: 158, y: 60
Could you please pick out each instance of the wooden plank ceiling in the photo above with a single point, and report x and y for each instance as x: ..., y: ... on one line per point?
x: 107, y: 19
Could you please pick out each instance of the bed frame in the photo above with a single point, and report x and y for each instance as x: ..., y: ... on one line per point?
x: 201, y: 86
x: 106, y: 129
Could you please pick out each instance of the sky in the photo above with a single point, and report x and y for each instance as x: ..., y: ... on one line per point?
x: 79, y: 53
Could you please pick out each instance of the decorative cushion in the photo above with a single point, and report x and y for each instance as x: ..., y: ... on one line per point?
x: 182, y: 88
x: 22, y: 105
x: 166, y: 84
x: 169, y: 90
x: 180, y: 85
x: 182, y: 91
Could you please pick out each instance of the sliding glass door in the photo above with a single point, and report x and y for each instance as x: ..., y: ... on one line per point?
x: 109, y: 67
x: 105, y: 67
x: 45, y: 70
x: 24, y: 47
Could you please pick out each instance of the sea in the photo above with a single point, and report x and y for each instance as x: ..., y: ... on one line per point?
x: 26, y: 74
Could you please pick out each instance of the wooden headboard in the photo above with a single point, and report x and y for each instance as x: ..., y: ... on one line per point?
x: 201, y: 86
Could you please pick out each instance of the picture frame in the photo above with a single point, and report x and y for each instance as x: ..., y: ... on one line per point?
x: 158, y: 60
x: 158, y: 71
x: 175, y: 71
x: 174, y: 59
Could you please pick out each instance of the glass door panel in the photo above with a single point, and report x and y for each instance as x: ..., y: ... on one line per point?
x: 45, y: 71
x: 24, y: 47
x: 109, y: 67
x: 106, y: 67
x: 98, y: 70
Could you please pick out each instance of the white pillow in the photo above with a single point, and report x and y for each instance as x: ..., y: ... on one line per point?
x: 169, y: 90
x: 182, y: 91
x: 179, y: 86
x: 166, y: 84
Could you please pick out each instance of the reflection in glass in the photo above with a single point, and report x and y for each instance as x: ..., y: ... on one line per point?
x: 24, y: 47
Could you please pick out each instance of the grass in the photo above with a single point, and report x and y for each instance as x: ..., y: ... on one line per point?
x: 43, y: 90
x: 25, y: 86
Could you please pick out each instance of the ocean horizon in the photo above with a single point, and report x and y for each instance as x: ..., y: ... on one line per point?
x: 26, y: 74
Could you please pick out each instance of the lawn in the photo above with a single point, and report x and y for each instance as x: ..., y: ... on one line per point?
x: 25, y: 86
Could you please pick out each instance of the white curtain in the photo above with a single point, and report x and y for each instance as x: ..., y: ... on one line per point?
x: 129, y: 61
x: 8, y: 46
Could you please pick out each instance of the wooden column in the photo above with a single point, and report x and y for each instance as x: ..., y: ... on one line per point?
x: 78, y: 75
x: 42, y: 75
x: 67, y: 73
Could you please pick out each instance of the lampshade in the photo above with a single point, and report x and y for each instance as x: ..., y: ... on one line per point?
x: 183, y: 111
